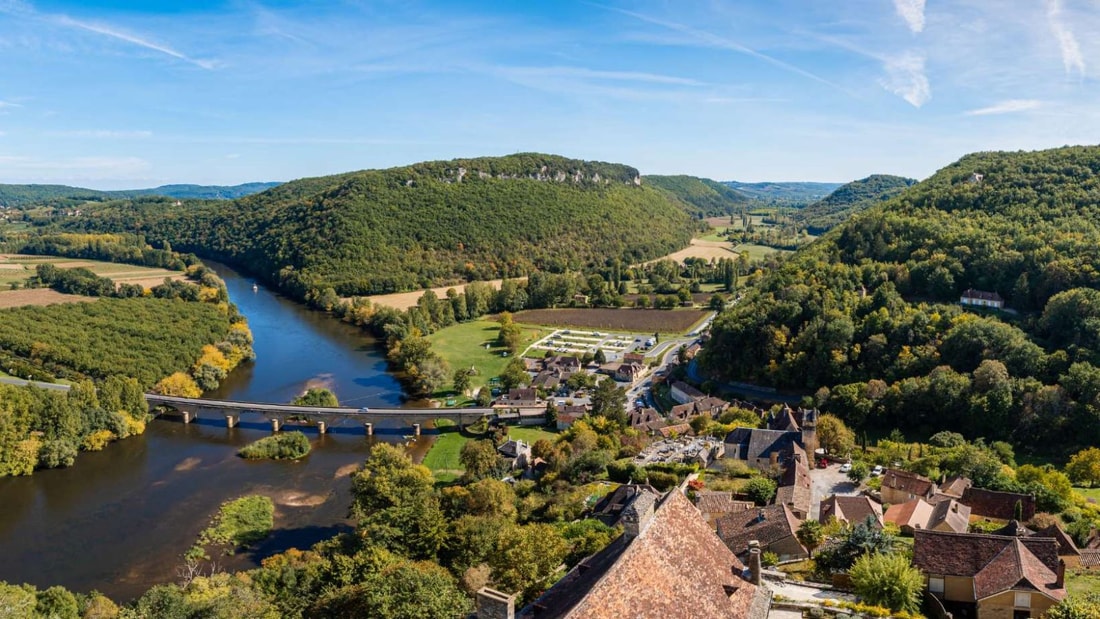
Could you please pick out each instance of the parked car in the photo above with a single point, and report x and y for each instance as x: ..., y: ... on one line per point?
x: 364, y: 410
x: 875, y: 472
x: 844, y: 468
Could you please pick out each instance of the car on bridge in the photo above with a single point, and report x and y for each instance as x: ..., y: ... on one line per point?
x: 364, y: 410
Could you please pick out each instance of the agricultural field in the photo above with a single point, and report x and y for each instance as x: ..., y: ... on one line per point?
x: 36, y: 296
x: 629, y: 320
x: 405, y: 300
x: 16, y: 268
x: 758, y: 252
x: 706, y: 248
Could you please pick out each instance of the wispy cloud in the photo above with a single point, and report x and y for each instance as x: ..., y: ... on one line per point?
x: 1072, y: 58
x: 912, y: 11
x: 593, y: 74
x: 114, y: 33
x: 8, y: 104
x: 707, y: 39
x: 1010, y: 106
x: 905, y: 78
x: 100, y: 134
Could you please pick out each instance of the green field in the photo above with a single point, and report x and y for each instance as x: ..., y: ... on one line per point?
x: 442, y: 456
x: 463, y: 346
x: 531, y: 434
x: 1089, y: 493
x: 757, y: 252
x: 16, y: 268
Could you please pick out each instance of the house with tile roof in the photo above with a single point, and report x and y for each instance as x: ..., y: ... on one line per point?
x: 850, y: 509
x: 902, y: 486
x: 794, y: 485
x: 1067, y: 549
x: 999, y: 505
x: 981, y: 298
x: 667, y: 564
x: 714, y: 504
x: 918, y: 514
x: 990, y: 576
x: 774, y: 526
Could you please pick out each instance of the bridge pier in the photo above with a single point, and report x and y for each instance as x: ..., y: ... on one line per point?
x: 416, y: 429
x: 188, y: 416
x: 275, y: 425
x: 370, y: 428
x: 321, y: 427
x: 231, y: 421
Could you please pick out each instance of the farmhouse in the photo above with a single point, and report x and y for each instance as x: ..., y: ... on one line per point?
x: 981, y: 298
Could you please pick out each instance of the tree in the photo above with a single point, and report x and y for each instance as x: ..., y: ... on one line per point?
x: 179, y: 385
x: 479, y: 459
x: 1084, y: 467
x: 839, y: 553
x: 811, y: 534
x: 1076, y: 606
x: 834, y: 435
x: 515, y: 374
x: 510, y: 335
x: 57, y: 603
x: 461, y: 379
x: 716, y: 303
x: 401, y: 590
x: 431, y: 375
x: 760, y: 490
x: 858, y: 472
x: 599, y: 357
x: 609, y: 400
x: 317, y: 397
x: 527, y: 558
x: 887, y: 580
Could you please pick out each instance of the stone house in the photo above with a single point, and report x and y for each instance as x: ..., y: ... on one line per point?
x: 714, y: 504
x: 684, y: 393
x: 850, y: 509
x: 990, y: 576
x: 947, y: 515
x: 774, y: 526
x: 981, y: 298
x: 902, y: 486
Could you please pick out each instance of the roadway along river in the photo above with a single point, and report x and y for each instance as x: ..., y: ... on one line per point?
x: 119, y: 519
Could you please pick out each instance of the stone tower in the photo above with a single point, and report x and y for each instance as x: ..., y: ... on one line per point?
x: 809, y: 432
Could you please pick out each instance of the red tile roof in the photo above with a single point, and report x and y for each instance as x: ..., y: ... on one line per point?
x: 676, y: 568
x: 766, y: 524
x: 997, y: 563
x: 853, y: 509
x: 907, y: 482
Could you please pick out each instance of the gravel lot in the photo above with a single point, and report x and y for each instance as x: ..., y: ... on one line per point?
x: 827, y: 482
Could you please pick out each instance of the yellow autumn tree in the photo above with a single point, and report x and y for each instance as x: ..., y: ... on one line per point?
x: 179, y: 384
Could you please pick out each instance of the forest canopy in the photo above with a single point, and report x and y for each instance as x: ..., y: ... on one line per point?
x: 867, y: 319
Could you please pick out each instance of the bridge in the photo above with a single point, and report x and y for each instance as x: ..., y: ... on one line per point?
x: 279, y: 415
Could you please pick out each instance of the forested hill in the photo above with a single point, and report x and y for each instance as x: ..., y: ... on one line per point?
x: 870, y: 311
x: 854, y: 197
x: 18, y: 196
x: 405, y: 228
x: 701, y: 197
x: 785, y: 194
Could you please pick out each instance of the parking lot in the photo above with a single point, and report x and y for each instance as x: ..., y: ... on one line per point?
x: 577, y: 342
x: 827, y: 482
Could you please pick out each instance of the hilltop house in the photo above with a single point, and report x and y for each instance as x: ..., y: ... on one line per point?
x: 981, y: 298
x: 667, y: 564
x: 990, y: 576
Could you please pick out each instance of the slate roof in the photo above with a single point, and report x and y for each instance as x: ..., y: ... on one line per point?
x: 682, y: 412
x: 688, y: 390
x: 768, y: 525
x: 1090, y: 557
x: 610, y: 508
x: 1015, y: 529
x: 907, y: 482
x: 854, y: 509
x: 1000, y: 505
x: 753, y: 443
x: 783, y: 420
x: 955, y: 486
x: 997, y: 563
x: 676, y: 568
x: 644, y: 416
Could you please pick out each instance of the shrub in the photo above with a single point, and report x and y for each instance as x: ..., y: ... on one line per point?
x: 760, y: 490
x: 287, y: 446
x: 887, y: 580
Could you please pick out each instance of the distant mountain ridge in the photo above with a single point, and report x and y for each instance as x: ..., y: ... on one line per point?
x: 849, y: 199
x: 416, y: 226
x: 701, y: 197
x: 17, y: 196
x: 796, y: 193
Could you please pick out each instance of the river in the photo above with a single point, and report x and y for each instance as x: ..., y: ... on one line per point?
x: 118, y: 520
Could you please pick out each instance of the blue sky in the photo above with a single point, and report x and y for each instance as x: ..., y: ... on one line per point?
x: 123, y: 93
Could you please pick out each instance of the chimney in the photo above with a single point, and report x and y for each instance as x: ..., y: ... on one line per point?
x: 754, y: 562
x: 637, y: 516
x: 492, y: 604
x: 1061, y: 573
x: 774, y: 456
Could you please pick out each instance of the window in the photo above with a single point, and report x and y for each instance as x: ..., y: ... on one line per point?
x: 1023, y: 600
x: 935, y: 584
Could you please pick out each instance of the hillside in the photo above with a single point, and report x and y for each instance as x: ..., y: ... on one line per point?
x: 871, y: 312
x: 701, y: 197
x: 785, y: 194
x: 434, y: 223
x: 849, y: 199
x: 20, y: 196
